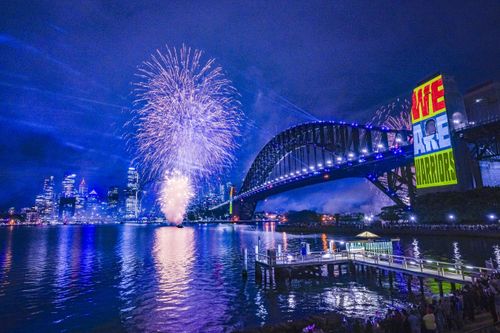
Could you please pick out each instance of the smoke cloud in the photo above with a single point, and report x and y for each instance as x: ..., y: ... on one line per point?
x: 175, y: 193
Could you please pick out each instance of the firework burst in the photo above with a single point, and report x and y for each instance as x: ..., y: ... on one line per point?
x: 187, y: 119
x: 395, y: 115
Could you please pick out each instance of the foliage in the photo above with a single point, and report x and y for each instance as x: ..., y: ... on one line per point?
x: 393, y: 214
x: 303, y: 217
x: 468, y: 207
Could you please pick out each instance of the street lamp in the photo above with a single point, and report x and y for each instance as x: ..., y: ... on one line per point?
x: 492, y: 217
x: 451, y: 217
x: 413, y: 218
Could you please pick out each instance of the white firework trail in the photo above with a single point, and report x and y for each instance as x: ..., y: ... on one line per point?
x: 187, y: 119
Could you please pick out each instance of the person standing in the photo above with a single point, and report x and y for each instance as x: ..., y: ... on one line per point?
x: 430, y: 321
x: 415, y: 322
x: 496, y: 289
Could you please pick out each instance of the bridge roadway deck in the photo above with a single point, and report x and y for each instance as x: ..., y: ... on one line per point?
x: 444, y: 271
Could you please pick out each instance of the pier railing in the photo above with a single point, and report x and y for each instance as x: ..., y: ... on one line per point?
x: 428, y: 267
x: 286, y: 258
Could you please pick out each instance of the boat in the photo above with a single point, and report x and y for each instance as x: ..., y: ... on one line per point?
x: 180, y: 226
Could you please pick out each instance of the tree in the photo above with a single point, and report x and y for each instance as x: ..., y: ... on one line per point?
x: 303, y: 217
x: 393, y: 214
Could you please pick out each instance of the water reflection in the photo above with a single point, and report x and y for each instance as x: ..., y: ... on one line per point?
x: 190, y: 297
x: 457, y: 256
x: 88, y: 257
x: 324, y: 242
x: 416, y: 249
x: 285, y: 242
x: 173, y: 253
x: 149, y: 278
x: 62, y: 278
x: 6, y: 260
x: 267, y: 238
x: 129, y: 264
x: 496, y: 255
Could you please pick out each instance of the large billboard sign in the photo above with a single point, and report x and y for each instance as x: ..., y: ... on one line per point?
x: 433, y: 151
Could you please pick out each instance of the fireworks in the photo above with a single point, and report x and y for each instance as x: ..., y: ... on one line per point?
x: 394, y: 115
x: 187, y: 118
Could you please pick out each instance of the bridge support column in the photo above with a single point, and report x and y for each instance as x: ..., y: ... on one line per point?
x: 331, y: 269
x: 380, y: 274
x: 352, y: 269
x: 453, y: 287
x: 258, y: 273
x: 339, y: 267
x: 440, y: 284
x: 421, y: 280
x: 408, y: 284
x: 265, y: 276
x: 244, y: 209
x: 244, y: 272
x: 391, y: 280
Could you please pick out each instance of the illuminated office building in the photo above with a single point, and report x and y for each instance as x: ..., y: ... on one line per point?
x: 132, y: 195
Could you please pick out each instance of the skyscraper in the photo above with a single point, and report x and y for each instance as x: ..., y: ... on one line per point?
x: 40, y: 204
x: 81, y: 198
x: 68, y: 185
x: 83, y: 189
x: 132, y: 195
x: 93, y: 205
x: 49, y: 201
x: 67, y: 201
x: 113, y: 201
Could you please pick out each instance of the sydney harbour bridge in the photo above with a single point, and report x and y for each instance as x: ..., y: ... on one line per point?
x: 323, y: 151
x: 317, y: 152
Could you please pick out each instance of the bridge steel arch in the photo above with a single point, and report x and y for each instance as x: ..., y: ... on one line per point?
x: 316, y: 152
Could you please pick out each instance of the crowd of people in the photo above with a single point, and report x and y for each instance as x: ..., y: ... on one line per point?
x: 433, y: 315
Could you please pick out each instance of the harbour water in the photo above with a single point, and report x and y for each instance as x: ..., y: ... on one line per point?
x: 129, y: 278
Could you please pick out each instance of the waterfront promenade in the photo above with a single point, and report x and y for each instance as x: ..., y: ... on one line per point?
x: 281, y: 265
x: 489, y: 231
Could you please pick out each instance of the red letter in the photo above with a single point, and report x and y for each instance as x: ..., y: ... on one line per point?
x: 437, y: 96
x: 415, y: 106
x: 420, y: 103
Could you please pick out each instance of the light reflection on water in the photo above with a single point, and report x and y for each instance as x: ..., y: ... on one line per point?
x: 457, y: 257
x: 152, y: 278
x: 496, y: 254
x: 416, y: 249
x: 6, y: 260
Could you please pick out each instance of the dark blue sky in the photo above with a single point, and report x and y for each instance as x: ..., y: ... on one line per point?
x: 66, y: 69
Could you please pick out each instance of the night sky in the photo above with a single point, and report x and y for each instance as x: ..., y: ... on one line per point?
x: 66, y: 70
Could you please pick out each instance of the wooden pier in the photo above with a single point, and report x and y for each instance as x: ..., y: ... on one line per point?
x: 275, y: 265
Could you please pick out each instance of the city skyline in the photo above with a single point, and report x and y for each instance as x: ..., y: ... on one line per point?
x: 70, y: 199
